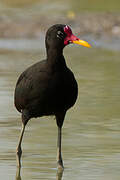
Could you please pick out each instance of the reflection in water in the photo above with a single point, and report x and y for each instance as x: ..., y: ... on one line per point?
x: 58, y: 175
x: 18, y: 176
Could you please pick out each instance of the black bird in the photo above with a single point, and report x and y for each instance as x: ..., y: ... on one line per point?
x: 49, y: 86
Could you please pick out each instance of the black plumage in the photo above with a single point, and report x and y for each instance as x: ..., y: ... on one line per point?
x: 49, y: 86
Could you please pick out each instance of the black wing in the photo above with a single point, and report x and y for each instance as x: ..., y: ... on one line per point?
x: 31, y: 85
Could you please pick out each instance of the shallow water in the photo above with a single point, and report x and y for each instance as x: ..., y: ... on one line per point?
x: 91, y: 138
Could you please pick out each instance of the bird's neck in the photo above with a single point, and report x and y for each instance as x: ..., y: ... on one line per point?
x: 55, y: 58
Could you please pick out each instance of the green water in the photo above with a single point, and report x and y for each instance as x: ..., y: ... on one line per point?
x: 91, y: 132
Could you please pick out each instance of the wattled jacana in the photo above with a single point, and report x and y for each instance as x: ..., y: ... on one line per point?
x: 48, y: 87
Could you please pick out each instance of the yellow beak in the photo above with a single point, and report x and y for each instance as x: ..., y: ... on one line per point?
x: 82, y: 43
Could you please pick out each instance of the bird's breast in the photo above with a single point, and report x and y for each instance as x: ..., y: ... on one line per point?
x: 64, y: 90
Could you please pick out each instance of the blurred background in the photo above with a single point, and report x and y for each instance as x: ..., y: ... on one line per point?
x: 91, y: 132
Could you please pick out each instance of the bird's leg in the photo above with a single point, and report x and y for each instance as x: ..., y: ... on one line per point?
x: 59, y: 154
x: 59, y: 120
x: 25, y: 118
x: 19, y: 150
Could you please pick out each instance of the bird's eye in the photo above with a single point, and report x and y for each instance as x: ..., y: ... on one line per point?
x: 60, y: 35
x: 69, y: 42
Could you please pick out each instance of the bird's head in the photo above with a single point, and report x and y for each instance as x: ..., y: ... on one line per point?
x: 59, y: 35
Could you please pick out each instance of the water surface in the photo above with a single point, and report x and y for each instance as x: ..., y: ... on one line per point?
x: 91, y: 138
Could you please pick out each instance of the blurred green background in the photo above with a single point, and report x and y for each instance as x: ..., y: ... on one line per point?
x: 79, y: 5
